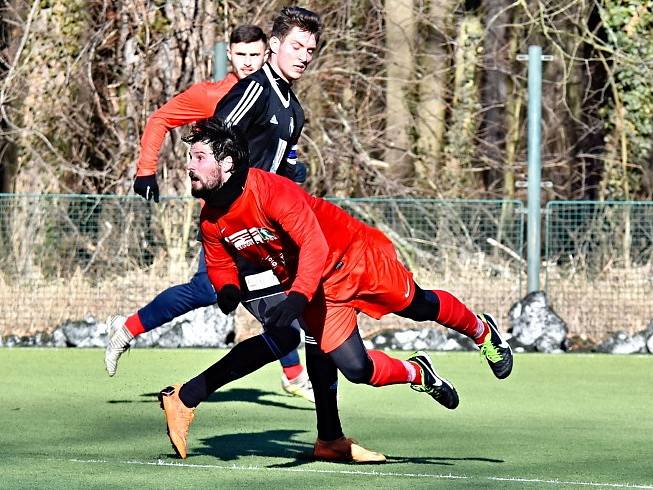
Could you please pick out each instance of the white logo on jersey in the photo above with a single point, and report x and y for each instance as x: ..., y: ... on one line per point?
x: 274, y: 119
x: 292, y: 125
x: 246, y: 238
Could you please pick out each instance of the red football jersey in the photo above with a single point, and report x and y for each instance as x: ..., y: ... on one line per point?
x: 275, y: 223
x: 198, y: 102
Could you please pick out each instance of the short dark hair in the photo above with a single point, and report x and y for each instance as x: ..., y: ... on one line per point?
x: 225, y: 141
x: 290, y: 17
x: 247, y: 33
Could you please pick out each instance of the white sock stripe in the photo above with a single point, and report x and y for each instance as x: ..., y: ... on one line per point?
x: 309, y: 340
x: 480, y: 328
x: 252, y: 92
x: 410, y: 370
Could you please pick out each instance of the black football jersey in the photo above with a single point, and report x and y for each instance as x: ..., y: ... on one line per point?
x: 265, y: 109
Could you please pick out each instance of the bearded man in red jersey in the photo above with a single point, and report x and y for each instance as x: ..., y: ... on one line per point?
x: 331, y: 266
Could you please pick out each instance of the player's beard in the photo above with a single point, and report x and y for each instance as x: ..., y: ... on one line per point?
x: 203, y: 187
x: 221, y: 192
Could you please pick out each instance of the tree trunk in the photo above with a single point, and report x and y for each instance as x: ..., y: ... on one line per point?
x: 8, y: 148
x: 400, y: 41
x: 496, y: 85
x: 433, y: 61
x: 456, y: 177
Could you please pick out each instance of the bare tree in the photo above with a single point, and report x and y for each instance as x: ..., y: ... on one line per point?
x: 400, y: 31
x: 434, y: 64
x: 405, y: 97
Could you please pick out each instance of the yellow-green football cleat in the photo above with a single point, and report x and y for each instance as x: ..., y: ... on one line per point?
x: 496, y: 350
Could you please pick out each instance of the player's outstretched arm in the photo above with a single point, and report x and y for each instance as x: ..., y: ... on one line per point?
x: 198, y: 102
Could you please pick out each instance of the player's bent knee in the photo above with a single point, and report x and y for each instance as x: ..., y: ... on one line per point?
x: 424, y: 307
x: 359, y: 374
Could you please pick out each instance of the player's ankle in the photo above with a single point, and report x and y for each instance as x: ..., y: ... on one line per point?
x: 293, y: 372
x: 134, y: 325
x: 480, y: 338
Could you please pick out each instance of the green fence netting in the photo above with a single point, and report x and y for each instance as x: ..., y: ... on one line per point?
x: 598, y: 265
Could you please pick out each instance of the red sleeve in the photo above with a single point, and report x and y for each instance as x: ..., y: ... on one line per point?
x: 198, y: 102
x: 220, y: 266
x: 287, y: 205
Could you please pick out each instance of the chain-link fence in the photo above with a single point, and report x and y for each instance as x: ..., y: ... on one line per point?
x: 66, y: 257
x: 598, y: 265
x: 471, y: 248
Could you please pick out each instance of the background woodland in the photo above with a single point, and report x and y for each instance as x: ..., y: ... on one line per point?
x: 418, y: 98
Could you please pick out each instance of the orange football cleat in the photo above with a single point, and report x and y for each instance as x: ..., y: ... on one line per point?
x: 178, y: 418
x: 345, y: 449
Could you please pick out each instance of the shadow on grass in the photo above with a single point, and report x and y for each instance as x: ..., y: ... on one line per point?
x: 249, y: 395
x: 439, y: 460
x: 283, y: 444
x: 269, y: 444
x: 256, y: 396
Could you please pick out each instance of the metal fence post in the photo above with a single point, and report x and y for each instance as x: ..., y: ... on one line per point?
x: 534, y: 165
x: 219, y: 61
x: 534, y: 243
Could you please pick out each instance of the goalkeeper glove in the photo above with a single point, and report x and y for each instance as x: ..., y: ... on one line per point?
x: 146, y: 186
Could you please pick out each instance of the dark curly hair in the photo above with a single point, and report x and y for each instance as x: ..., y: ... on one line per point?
x: 225, y: 141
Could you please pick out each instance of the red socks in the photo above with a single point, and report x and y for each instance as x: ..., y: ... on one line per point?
x: 390, y: 371
x: 292, y: 372
x: 134, y: 325
x: 456, y: 316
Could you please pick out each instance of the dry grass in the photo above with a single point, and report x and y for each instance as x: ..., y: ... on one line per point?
x: 478, y: 291
x: 618, y: 299
x: 41, y: 305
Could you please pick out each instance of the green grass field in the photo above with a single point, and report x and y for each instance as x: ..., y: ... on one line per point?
x: 567, y: 421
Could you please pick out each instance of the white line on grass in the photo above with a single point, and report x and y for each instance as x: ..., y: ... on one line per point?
x: 563, y: 482
x: 262, y: 468
x: 450, y: 476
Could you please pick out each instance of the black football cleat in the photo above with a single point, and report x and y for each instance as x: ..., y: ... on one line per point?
x: 439, y: 388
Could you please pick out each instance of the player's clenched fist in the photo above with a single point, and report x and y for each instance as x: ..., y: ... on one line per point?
x: 146, y: 186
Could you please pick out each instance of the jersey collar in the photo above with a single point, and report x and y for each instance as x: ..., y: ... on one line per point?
x: 279, y: 85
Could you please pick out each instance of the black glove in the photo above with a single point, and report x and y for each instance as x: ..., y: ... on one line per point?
x: 296, y: 172
x: 300, y: 172
x: 288, y: 310
x: 228, y: 298
x: 146, y: 186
